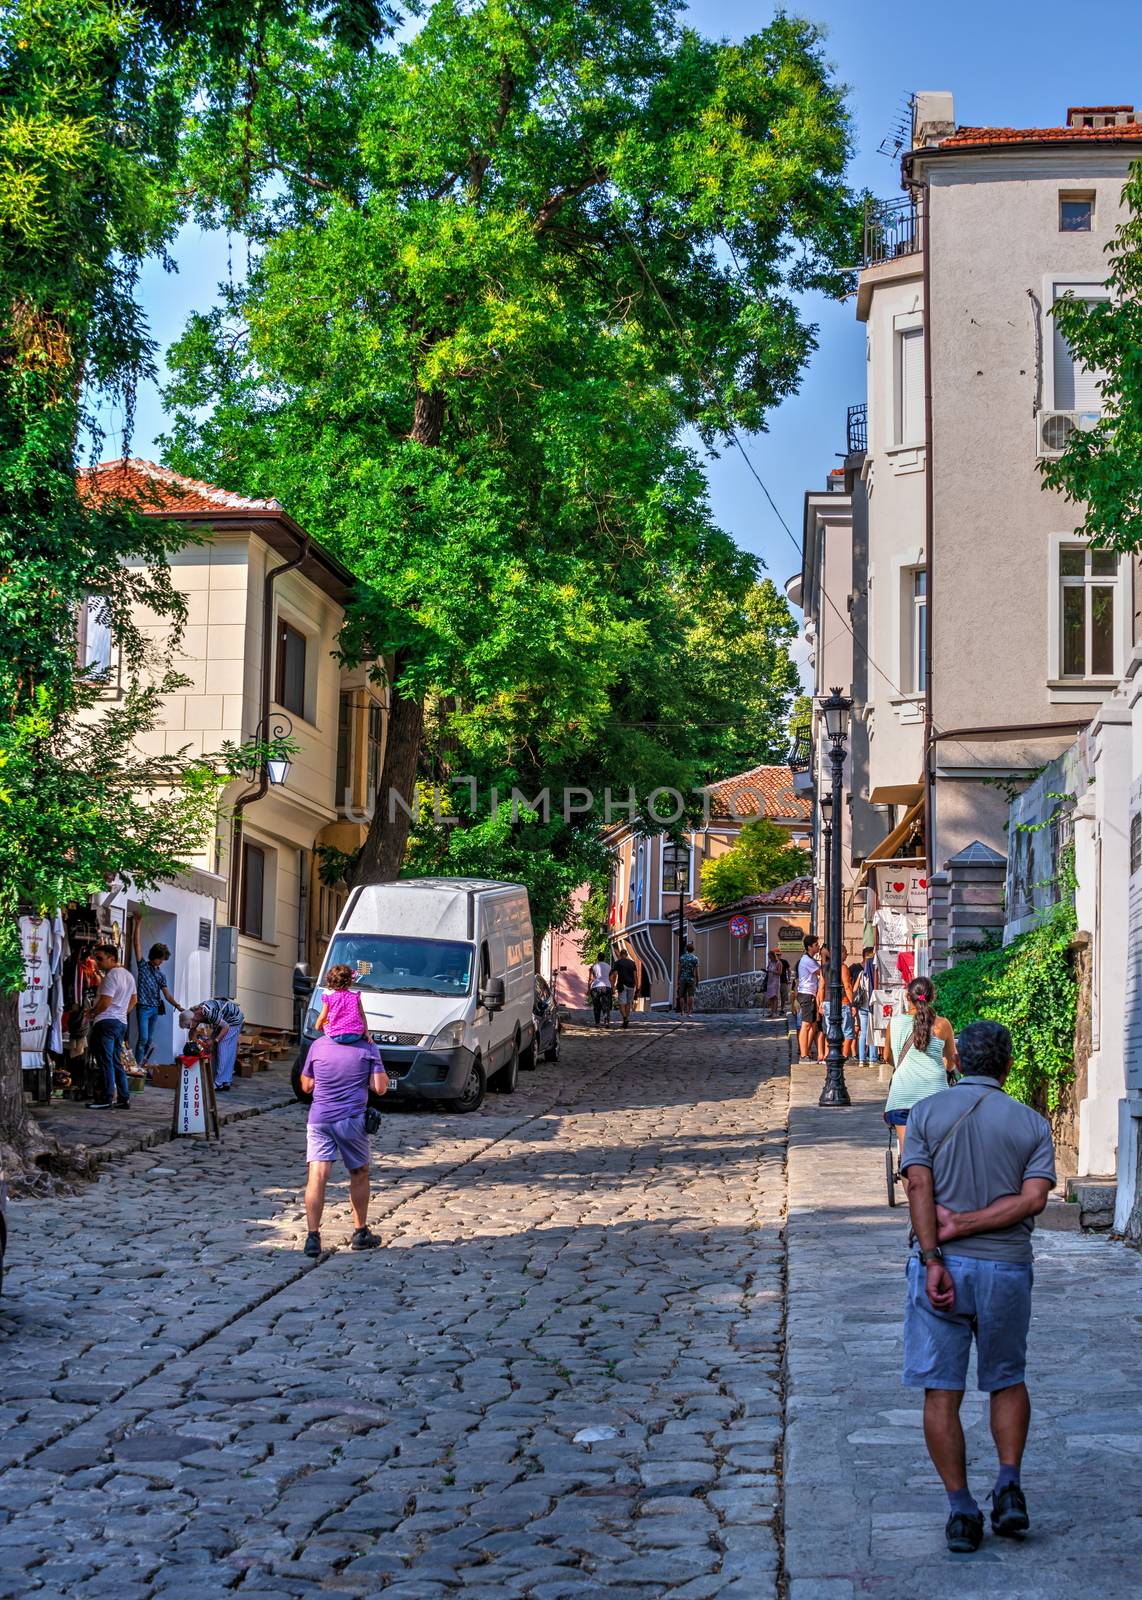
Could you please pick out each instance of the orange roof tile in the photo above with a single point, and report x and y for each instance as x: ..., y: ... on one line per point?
x: 966, y: 138
x: 762, y: 791
x: 160, y: 490
x: 797, y: 894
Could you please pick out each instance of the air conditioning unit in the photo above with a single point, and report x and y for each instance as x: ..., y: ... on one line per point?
x: 1054, y: 428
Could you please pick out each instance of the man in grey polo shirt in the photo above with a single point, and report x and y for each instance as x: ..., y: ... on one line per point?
x: 980, y: 1167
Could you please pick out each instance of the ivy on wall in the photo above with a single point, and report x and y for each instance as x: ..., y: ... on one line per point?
x: 1029, y: 986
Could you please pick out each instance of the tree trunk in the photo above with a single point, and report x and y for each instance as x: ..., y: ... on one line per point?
x: 13, y: 1112
x: 28, y: 1155
x: 383, y: 854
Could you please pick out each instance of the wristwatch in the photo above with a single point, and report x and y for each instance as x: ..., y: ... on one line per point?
x: 934, y: 1254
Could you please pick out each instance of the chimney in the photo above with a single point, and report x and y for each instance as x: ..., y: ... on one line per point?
x: 933, y: 117
x: 1099, y: 116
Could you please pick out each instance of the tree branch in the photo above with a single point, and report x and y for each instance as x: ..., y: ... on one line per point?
x: 552, y: 206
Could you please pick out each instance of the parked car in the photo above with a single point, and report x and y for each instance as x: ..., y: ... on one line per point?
x: 444, y: 969
x: 546, y: 1019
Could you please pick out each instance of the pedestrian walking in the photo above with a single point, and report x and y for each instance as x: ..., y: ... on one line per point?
x: 689, y: 973
x: 922, y: 1050
x: 808, y: 975
x: 339, y: 1077
x: 773, y: 983
x: 644, y: 989
x: 113, y: 1005
x: 600, y: 990
x: 980, y: 1167
x: 342, y: 1015
x: 152, y: 996
x: 225, y: 1019
x: 864, y: 991
x: 624, y: 976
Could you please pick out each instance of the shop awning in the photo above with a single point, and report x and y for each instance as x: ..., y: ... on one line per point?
x: 904, y: 844
x: 896, y: 794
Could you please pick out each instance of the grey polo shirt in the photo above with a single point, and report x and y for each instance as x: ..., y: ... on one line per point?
x: 987, y: 1157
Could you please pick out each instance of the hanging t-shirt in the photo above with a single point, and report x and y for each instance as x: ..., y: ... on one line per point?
x: 894, y: 928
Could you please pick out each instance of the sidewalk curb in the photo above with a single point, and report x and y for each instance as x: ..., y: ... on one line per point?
x: 152, y: 1137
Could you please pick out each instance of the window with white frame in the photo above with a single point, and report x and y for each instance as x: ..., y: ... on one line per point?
x: 916, y: 631
x: 95, y: 647
x: 675, y: 868
x: 1076, y: 387
x: 1089, y: 601
x: 910, y: 386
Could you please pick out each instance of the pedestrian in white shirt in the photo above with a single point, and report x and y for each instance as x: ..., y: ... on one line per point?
x: 114, y: 1004
x: 808, y: 974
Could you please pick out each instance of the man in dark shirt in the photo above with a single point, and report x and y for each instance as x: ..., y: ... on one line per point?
x: 339, y: 1077
x: 624, y: 977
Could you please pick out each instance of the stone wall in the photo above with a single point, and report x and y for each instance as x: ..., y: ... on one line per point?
x: 739, y: 993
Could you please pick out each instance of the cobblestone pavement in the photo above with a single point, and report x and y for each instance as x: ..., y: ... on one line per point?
x: 560, y: 1377
x: 864, y: 1510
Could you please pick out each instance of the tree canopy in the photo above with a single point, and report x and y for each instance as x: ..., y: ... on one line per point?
x: 501, y: 270
x: 760, y: 858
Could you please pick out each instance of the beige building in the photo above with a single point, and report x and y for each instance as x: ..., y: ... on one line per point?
x: 265, y: 607
x: 652, y: 878
x: 1029, y: 630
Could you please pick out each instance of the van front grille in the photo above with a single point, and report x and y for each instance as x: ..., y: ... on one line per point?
x: 397, y: 1038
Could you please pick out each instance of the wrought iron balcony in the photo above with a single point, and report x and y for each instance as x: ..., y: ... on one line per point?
x: 857, y: 430
x: 891, y: 229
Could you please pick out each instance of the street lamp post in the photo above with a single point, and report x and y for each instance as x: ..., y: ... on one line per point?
x: 826, y: 810
x: 835, y: 1093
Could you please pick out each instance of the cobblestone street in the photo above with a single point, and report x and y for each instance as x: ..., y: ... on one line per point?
x: 562, y: 1376
x: 189, y: 1406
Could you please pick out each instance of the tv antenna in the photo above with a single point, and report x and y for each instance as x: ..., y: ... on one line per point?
x: 900, y: 130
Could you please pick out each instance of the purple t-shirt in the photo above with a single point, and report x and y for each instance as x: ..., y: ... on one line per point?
x: 340, y: 1074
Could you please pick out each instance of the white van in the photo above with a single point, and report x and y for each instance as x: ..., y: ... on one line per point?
x: 445, y: 969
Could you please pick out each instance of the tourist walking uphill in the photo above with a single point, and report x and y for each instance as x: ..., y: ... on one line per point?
x: 339, y: 1077
x: 980, y: 1167
x: 922, y: 1052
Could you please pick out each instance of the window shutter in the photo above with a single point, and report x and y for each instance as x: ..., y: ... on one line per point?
x: 912, y: 386
x: 1077, y: 388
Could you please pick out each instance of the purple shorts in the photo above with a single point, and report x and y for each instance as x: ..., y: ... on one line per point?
x: 347, y: 1140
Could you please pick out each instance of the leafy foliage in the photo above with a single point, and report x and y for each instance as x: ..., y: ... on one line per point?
x: 1101, y: 471
x: 760, y: 858
x: 503, y: 269
x: 1030, y: 986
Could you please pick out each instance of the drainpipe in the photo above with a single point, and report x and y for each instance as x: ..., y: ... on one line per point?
x: 263, y: 783
x: 929, y: 510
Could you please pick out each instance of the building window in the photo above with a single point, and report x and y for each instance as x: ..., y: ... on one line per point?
x: 675, y: 868
x: 917, y: 595
x: 251, y: 913
x: 94, y: 646
x: 1088, y: 582
x: 910, y: 386
x: 344, y: 748
x: 1136, y: 842
x: 289, y: 690
x: 1076, y: 213
x: 373, y: 774
x: 1077, y: 388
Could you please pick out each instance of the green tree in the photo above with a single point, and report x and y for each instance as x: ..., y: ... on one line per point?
x: 502, y: 269
x: 89, y: 123
x: 760, y: 858
x: 1101, y: 470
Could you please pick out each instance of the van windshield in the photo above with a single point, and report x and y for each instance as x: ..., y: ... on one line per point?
x: 392, y: 964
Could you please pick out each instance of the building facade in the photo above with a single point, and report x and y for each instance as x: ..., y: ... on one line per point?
x: 265, y: 605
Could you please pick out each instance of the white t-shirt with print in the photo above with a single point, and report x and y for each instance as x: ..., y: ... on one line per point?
x: 118, y: 986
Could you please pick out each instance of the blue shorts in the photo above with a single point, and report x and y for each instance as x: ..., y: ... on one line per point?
x: 848, y: 1022
x: 897, y: 1118
x: 993, y: 1303
x: 347, y: 1140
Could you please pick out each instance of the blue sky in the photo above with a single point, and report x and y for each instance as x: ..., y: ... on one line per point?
x: 1015, y: 63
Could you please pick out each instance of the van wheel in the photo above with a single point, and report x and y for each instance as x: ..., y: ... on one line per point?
x: 471, y: 1097
x: 507, y: 1077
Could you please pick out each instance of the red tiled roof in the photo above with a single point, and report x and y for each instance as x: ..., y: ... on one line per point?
x: 792, y: 896
x: 965, y: 138
x: 158, y: 489
x: 762, y: 791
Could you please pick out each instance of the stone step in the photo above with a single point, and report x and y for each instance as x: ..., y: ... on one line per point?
x: 1093, y: 1198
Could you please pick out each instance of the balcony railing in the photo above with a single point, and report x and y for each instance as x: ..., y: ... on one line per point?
x: 891, y: 229
x: 857, y: 430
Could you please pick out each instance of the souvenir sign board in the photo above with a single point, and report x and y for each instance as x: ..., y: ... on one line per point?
x: 195, y: 1107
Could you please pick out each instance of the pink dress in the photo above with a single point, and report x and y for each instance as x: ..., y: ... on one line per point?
x: 346, y: 1014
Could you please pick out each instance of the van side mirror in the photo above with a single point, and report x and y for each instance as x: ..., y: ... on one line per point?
x: 492, y: 995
